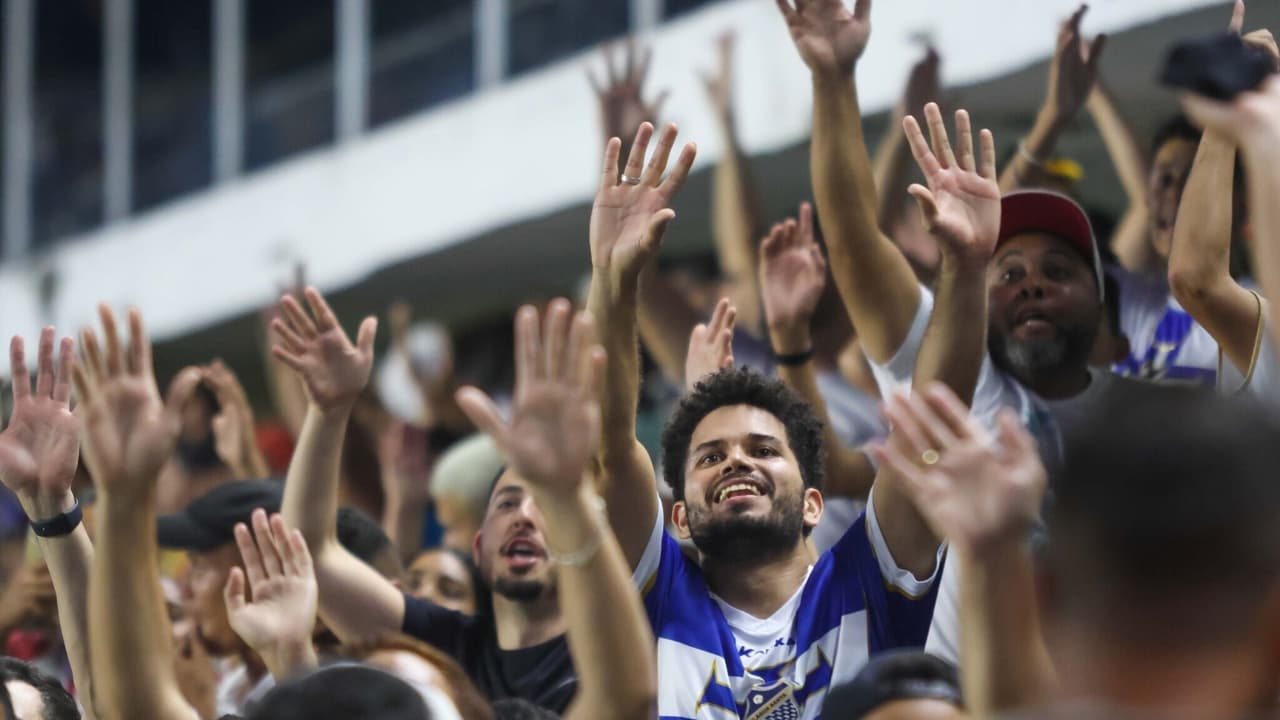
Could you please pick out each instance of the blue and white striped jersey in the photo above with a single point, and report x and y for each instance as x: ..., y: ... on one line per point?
x: 716, y: 662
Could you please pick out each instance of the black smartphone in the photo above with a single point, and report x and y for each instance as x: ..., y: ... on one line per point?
x: 1219, y: 66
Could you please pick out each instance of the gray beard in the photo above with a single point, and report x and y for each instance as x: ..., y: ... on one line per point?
x: 1032, y: 357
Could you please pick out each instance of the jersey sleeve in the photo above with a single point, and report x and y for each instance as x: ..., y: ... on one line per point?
x: 899, y: 606
x: 439, y: 627
x: 898, y: 370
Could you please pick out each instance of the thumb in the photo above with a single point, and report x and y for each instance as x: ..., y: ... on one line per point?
x: 928, y: 206
x: 365, y: 335
x: 233, y: 591
x: 657, y: 228
x: 483, y: 412
x: 180, y: 391
x: 1237, y: 18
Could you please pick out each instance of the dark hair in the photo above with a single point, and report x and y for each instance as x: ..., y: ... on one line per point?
x: 894, y: 675
x: 457, y: 684
x: 743, y: 386
x: 362, y: 537
x: 58, y: 703
x: 473, y: 572
x: 517, y: 709
x: 343, y: 691
x: 1167, y: 501
x: 1177, y: 127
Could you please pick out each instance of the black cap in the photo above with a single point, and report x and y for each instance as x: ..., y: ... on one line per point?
x: 209, y: 521
x: 894, y: 675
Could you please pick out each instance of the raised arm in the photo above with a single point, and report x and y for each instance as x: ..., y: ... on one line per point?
x: 983, y: 494
x: 1200, y: 261
x: 1131, y: 240
x: 551, y: 440
x: 793, y: 273
x: 735, y: 204
x: 875, y: 280
x: 628, y: 220
x: 279, y: 616
x: 711, y: 344
x: 355, y: 601
x: 39, y: 451
x: 1252, y: 121
x: 892, y: 159
x: 129, y: 433
x: 233, y: 425
x: 1072, y: 73
x: 961, y: 209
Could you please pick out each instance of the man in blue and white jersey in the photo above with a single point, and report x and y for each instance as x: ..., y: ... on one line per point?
x: 761, y: 626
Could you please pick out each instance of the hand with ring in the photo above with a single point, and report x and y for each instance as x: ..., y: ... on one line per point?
x: 972, y: 487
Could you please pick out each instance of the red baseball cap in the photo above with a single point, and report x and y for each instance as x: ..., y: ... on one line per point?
x: 1043, y: 211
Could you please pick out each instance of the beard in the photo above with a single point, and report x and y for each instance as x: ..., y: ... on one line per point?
x: 740, y: 539
x: 1027, y: 358
x: 522, y: 590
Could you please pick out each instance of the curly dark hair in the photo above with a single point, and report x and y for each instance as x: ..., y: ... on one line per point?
x: 743, y: 386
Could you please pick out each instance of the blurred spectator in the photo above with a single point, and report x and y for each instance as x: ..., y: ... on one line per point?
x: 460, y: 485
x: 447, y: 577
x: 33, y: 695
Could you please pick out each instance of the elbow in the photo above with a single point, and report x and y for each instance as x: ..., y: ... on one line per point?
x: 1189, y: 284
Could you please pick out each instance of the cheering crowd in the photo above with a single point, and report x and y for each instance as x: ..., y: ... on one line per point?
x: 956, y: 448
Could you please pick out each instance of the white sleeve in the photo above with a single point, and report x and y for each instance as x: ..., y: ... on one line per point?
x: 898, y: 578
x: 898, y: 371
x: 944, y: 632
x: 648, y: 565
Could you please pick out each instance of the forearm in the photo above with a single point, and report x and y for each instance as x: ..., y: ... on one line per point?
x: 1006, y: 664
x: 291, y: 660
x: 311, y: 487
x: 848, y: 471
x: 1200, y: 259
x: 70, y: 560
x: 132, y: 661
x: 1262, y: 164
x: 735, y: 225
x: 608, y: 632
x: 1123, y: 148
x: 1039, y: 145
x: 287, y: 395
x: 891, y: 163
x: 875, y: 281
x: 1131, y: 241
x: 612, y: 303
x: 955, y: 341
x: 665, y: 321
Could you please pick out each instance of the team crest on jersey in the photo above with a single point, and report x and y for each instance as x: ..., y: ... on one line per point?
x: 775, y: 702
x: 781, y: 699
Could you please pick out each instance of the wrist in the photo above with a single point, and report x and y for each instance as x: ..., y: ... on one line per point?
x: 833, y: 77
x: 965, y: 264
x: 42, y: 506
x: 790, y: 338
x: 290, y: 659
x: 1048, y: 125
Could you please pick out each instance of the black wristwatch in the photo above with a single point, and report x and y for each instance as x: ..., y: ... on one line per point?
x: 59, y: 525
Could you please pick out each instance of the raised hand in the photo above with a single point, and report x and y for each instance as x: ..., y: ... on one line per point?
x: 961, y: 205
x: 621, y: 95
x: 631, y: 211
x: 332, y: 370
x: 923, y: 84
x: 233, y: 425
x: 719, y: 84
x: 972, y: 488
x: 555, y: 414
x: 828, y: 36
x: 40, y: 449
x: 1261, y: 39
x: 1074, y: 69
x: 793, y: 274
x: 710, y: 344
x: 129, y: 432
x: 279, y: 621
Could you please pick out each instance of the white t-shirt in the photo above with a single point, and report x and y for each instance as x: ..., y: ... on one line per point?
x: 1166, y: 345
x: 1044, y: 419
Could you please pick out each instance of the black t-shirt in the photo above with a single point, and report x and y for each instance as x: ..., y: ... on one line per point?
x: 542, y: 674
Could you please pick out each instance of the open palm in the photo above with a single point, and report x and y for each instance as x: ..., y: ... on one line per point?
x: 961, y: 205
x: 630, y: 215
x: 793, y: 272
x: 555, y: 414
x: 826, y: 34
x: 129, y: 432
x: 281, y: 609
x: 332, y: 370
x: 41, y: 447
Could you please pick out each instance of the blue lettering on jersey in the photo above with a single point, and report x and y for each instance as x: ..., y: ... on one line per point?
x: 1159, y: 362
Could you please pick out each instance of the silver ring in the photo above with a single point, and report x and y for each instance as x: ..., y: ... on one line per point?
x: 630, y: 180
